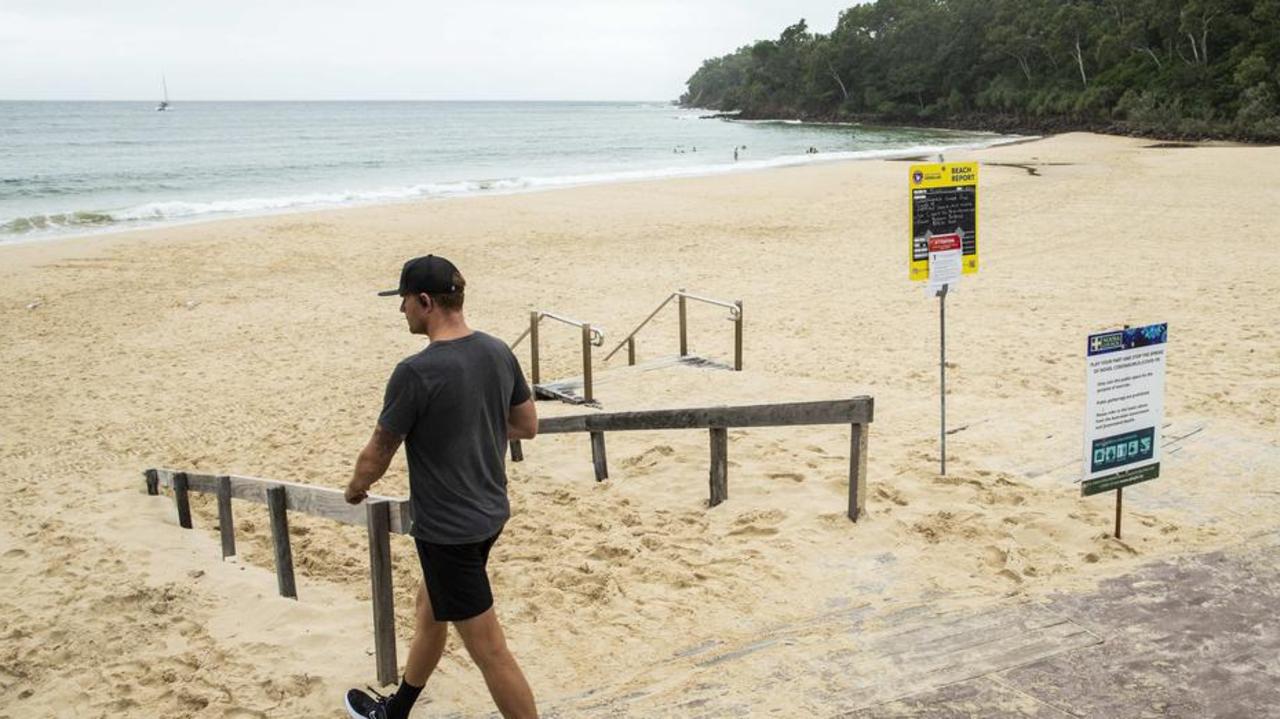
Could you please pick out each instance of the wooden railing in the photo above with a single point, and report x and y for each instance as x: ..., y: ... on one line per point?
x: 381, y: 515
x: 856, y: 412
x: 735, y: 315
x: 592, y: 336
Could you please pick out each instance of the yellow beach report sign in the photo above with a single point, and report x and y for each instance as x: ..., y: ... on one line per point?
x: 944, y: 201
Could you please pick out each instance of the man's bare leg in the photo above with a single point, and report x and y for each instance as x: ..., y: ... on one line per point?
x: 428, y: 641
x: 487, y: 646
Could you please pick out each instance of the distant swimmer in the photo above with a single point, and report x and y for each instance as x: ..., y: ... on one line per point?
x: 735, y: 154
x: 455, y: 406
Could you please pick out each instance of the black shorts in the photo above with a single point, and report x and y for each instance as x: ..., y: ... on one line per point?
x: 456, y: 580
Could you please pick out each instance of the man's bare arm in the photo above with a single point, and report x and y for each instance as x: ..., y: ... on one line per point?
x: 372, y: 463
x: 522, y: 423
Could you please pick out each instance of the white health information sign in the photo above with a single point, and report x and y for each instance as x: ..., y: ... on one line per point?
x: 1124, y: 407
x: 945, y: 257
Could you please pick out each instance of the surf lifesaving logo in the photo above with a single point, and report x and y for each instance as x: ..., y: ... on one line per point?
x: 917, y: 177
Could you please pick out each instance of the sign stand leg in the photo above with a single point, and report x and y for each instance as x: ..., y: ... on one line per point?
x: 1119, y: 500
x: 942, y: 373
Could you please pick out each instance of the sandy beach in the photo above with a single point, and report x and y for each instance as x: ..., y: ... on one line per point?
x: 257, y: 347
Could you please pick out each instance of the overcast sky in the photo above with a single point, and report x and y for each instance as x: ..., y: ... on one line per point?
x: 378, y: 49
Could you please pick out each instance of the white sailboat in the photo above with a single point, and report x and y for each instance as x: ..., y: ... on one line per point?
x: 164, y: 104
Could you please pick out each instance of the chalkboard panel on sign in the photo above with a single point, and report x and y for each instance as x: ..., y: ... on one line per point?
x: 944, y: 211
x: 944, y: 201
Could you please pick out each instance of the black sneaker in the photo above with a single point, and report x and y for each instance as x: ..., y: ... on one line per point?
x: 362, y: 706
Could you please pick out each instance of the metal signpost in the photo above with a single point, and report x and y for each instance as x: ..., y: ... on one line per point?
x: 944, y: 246
x: 1124, y: 409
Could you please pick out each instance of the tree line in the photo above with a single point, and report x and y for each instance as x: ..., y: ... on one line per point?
x: 1187, y: 68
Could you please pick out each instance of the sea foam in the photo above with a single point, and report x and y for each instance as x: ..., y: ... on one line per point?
x: 153, y: 213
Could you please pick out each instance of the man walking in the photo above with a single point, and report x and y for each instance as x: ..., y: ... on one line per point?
x: 454, y: 405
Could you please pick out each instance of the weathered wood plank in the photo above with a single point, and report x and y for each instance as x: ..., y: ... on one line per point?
x: 858, y: 410
x: 276, y: 505
x: 857, y: 471
x: 317, y: 501
x: 401, y: 513
x: 384, y: 611
x: 226, y: 523
x: 559, y: 425
x: 719, y: 465
x: 598, y: 456
x: 181, y: 487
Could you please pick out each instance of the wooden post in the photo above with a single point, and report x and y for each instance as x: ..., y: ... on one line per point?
x: 533, y: 346
x: 631, y: 350
x: 719, y: 465
x: 737, y: 339
x: 280, y: 536
x: 517, y: 452
x: 181, y: 498
x: 586, y: 362
x: 857, y: 471
x: 684, y: 326
x: 598, y: 457
x: 153, y: 482
x: 378, y: 515
x: 226, y: 525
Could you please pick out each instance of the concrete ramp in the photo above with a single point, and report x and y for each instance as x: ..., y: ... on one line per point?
x: 837, y: 663
x: 1189, y: 637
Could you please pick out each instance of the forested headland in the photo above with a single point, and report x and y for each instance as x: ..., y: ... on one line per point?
x: 1168, y: 68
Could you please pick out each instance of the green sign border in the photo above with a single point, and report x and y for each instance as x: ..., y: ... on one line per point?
x: 1099, y: 485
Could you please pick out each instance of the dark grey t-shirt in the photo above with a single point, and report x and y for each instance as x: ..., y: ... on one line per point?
x: 451, y: 402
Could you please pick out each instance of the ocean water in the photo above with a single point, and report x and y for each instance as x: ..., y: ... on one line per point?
x: 81, y: 167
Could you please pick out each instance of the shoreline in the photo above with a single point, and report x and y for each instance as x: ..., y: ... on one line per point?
x: 1004, y: 124
x: 496, y: 188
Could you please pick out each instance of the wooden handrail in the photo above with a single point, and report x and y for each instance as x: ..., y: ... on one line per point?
x: 591, y: 337
x: 858, y: 410
x: 306, y: 498
x: 735, y: 314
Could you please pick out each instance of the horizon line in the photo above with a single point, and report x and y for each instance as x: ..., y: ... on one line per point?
x: 356, y: 99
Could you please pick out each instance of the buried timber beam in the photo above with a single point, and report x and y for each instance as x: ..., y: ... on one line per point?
x: 598, y: 459
x: 276, y: 505
x: 182, y: 498
x: 226, y: 524
x: 384, y: 608
x: 857, y: 471
x: 719, y: 465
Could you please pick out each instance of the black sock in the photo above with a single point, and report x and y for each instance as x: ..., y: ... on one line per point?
x: 402, y: 701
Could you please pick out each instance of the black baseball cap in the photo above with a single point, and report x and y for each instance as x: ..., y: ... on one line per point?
x: 430, y: 274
